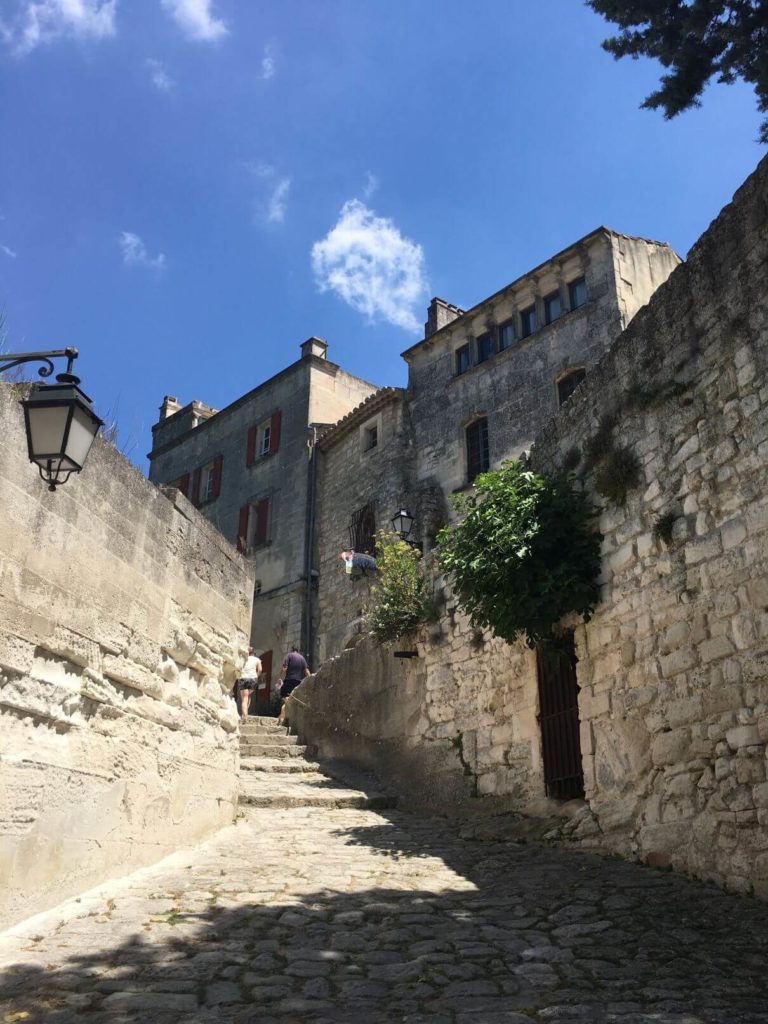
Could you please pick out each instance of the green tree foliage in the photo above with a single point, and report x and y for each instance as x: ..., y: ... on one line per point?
x: 523, y: 554
x: 696, y: 40
x: 399, y: 598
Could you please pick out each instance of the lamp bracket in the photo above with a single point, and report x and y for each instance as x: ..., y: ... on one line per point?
x: 9, y: 360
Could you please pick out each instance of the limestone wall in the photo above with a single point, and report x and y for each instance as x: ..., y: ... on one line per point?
x: 122, y: 615
x: 674, y: 666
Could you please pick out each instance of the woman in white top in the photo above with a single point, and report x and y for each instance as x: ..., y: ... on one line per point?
x: 246, y: 684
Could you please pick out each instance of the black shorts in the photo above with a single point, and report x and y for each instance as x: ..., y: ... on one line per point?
x: 289, y: 685
x: 245, y: 684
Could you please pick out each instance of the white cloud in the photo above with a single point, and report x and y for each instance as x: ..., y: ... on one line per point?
x: 160, y: 77
x: 371, y: 266
x: 9, y: 252
x: 135, y: 253
x: 278, y: 201
x: 271, y: 199
x: 195, y: 19
x: 268, y: 65
x: 371, y: 185
x: 43, y: 21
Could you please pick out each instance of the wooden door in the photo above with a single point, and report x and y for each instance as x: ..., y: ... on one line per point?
x: 559, y: 720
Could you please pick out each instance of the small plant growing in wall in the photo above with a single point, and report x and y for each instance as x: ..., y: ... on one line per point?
x: 400, y: 600
x: 524, y: 553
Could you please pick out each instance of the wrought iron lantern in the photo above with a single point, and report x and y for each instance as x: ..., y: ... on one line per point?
x: 59, y: 418
x: 402, y: 523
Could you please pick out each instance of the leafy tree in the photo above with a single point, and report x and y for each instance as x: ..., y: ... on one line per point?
x: 399, y: 598
x: 696, y: 39
x: 523, y: 554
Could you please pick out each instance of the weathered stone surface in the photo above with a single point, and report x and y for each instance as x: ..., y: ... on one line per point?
x: 113, y: 752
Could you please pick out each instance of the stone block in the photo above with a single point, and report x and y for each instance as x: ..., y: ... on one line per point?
x: 678, y: 661
x: 671, y: 747
x: 742, y: 736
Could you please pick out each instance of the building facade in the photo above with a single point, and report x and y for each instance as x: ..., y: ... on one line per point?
x: 481, y: 384
x: 247, y: 468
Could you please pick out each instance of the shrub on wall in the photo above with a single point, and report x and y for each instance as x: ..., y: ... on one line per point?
x: 399, y: 598
x: 524, y: 553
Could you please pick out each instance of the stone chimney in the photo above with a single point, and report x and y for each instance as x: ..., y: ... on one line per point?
x: 169, y: 407
x: 314, y: 347
x: 439, y: 314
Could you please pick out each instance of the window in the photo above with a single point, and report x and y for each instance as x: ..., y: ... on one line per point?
x: 507, y: 335
x: 484, y: 347
x: 577, y: 293
x: 206, y: 482
x: 568, y: 384
x: 463, y: 361
x: 370, y: 437
x: 263, y: 439
x: 477, y: 448
x: 528, y: 321
x: 253, y: 526
x: 362, y: 529
x: 552, y: 307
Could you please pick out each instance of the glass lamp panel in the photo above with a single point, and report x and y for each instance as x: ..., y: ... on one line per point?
x: 81, y: 434
x: 46, y: 429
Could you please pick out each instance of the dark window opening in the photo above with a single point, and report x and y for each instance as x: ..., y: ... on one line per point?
x: 552, y: 307
x: 577, y: 293
x: 478, y: 460
x: 568, y: 384
x: 371, y: 438
x: 484, y: 348
x: 463, y: 361
x: 528, y: 321
x: 507, y: 335
x: 362, y: 529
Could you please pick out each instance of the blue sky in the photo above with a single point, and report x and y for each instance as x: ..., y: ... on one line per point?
x: 190, y: 188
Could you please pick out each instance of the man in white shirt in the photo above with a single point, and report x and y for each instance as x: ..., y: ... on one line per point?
x: 246, y: 684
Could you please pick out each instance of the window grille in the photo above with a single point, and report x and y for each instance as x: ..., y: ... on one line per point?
x: 478, y: 460
x: 568, y: 384
x: 362, y: 529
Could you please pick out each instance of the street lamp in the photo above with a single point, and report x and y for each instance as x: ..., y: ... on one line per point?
x: 402, y: 523
x: 59, y: 418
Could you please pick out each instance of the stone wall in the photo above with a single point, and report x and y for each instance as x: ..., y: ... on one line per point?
x: 674, y: 665
x: 123, y: 614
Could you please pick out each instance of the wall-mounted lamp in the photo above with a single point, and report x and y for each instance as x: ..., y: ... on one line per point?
x: 402, y: 523
x: 59, y: 418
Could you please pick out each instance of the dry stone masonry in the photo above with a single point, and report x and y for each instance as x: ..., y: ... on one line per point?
x: 123, y: 616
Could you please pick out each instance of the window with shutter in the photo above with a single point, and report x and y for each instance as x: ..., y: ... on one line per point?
x: 477, y: 448
x: 218, y: 462
x: 250, y: 447
x: 262, y: 522
x: 194, y: 495
x: 274, y: 433
x: 183, y: 484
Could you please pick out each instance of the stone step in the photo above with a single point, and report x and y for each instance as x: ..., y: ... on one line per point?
x: 262, y: 736
x: 271, y: 750
x: 314, y: 791
x: 262, y: 721
x: 288, y: 765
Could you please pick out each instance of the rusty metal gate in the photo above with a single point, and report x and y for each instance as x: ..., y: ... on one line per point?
x: 559, y: 720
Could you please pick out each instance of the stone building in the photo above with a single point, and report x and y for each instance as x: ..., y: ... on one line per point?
x: 481, y: 384
x: 247, y: 467
x: 659, y: 721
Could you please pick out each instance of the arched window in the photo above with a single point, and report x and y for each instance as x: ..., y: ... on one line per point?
x: 478, y: 460
x: 568, y: 384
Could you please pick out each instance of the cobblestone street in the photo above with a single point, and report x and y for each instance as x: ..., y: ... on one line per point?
x: 317, y: 914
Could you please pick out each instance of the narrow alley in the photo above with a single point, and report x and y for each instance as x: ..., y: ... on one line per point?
x: 319, y: 907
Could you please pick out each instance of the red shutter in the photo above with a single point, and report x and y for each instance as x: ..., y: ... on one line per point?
x: 217, y: 464
x: 194, y: 494
x: 274, y: 433
x: 242, y: 528
x: 262, y: 521
x: 250, y: 448
x: 184, y: 484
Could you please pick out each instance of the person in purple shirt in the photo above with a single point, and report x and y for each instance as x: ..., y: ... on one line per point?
x: 294, y: 670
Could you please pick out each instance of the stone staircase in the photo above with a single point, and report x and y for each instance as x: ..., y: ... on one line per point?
x: 276, y: 771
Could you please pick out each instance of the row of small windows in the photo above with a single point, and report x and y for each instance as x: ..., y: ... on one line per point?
x: 507, y: 334
x: 476, y: 434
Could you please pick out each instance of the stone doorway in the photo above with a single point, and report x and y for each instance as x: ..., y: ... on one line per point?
x: 559, y: 719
